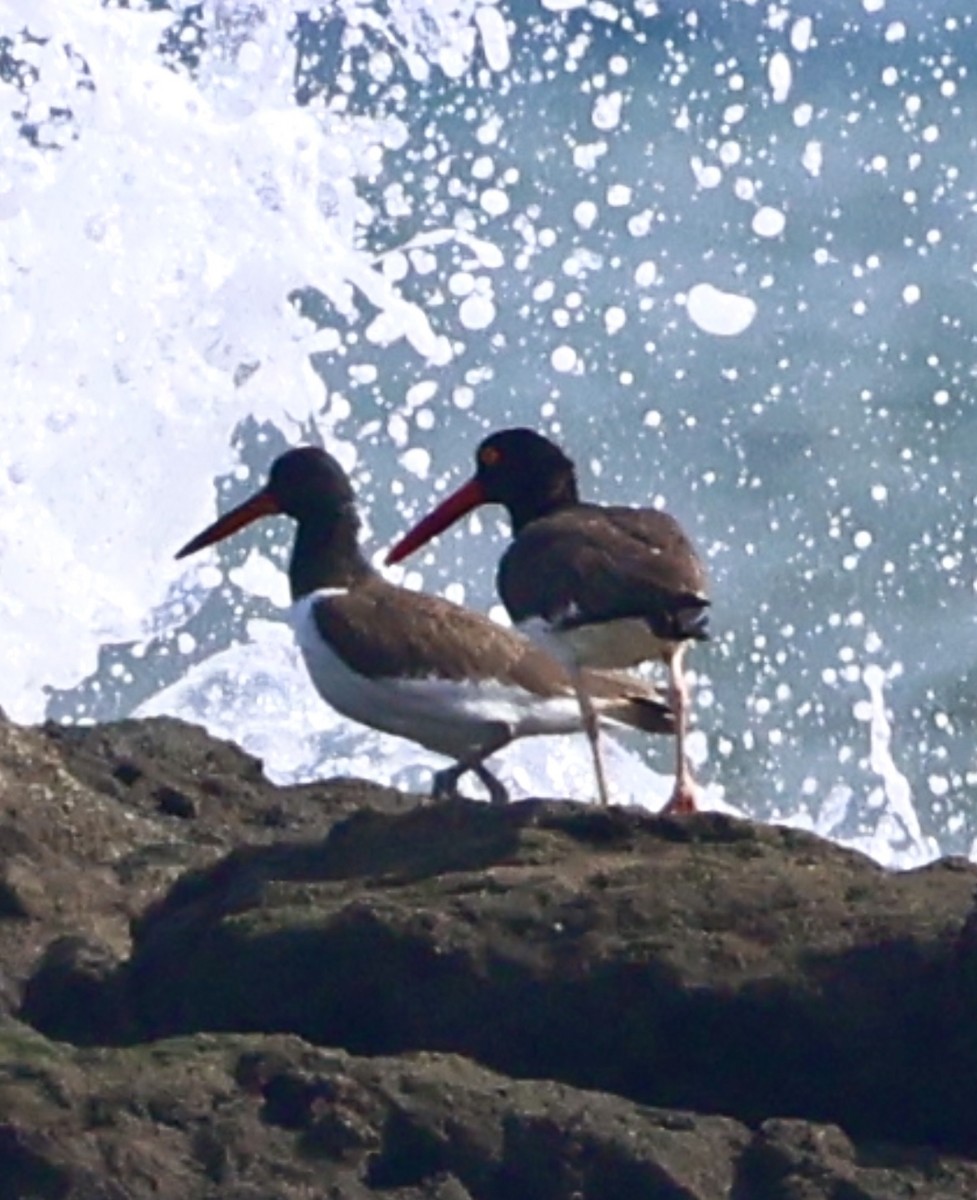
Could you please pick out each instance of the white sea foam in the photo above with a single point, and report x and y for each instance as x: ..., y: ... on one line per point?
x: 144, y: 293
x: 725, y: 314
x: 893, y: 835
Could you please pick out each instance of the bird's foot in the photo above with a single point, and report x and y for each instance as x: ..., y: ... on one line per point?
x: 684, y: 799
x: 444, y: 785
x: 498, y: 793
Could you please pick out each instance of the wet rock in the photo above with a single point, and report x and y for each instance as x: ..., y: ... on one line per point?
x: 707, y: 963
x: 77, y: 994
x: 801, y: 1160
x: 97, y: 821
x: 273, y: 1117
x: 22, y: 890
x: 375, y: 997
x: 175, y: 803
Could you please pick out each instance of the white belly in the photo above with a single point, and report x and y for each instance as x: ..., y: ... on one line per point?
x: 611, y: 645
x: 451, y: 717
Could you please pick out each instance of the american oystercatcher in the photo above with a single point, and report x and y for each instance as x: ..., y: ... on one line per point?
x: 411, y: 664
x: 596, y: 586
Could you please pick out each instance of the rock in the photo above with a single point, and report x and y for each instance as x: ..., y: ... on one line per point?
x: 707, y: 963
x: 332, y: 990
x: 272, y: 1117
x: 77, y: 994
x: 22, y: 889
x: 96, y: 821
x: 176, y: 804
x: 801, y: 1160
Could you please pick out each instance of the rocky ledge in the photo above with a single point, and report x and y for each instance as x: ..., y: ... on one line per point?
x: 213, y: 987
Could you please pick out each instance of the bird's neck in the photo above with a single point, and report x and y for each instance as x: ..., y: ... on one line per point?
x: 324, y: 557
x: 535, y: 501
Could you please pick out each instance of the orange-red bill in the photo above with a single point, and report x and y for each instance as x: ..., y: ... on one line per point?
x: 261, y: 504
x: 470, y: 495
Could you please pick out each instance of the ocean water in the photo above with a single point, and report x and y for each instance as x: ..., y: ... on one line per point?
x: 724, y: 252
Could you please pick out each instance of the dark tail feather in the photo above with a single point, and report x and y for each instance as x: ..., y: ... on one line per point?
x: 642, y: 712
x: 692, y: 619
x: 629, y: 701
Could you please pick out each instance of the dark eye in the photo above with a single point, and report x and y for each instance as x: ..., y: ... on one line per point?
x: 489, y: 456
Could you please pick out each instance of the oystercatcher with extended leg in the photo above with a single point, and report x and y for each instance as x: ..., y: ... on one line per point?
x: 598, y: 586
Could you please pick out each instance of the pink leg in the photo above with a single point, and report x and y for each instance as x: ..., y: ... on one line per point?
x: 685, y: 794
x: 592, y: 730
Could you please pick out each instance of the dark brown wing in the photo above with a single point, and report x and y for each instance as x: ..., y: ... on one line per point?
x: 383, y: 631
x: 589, y: 563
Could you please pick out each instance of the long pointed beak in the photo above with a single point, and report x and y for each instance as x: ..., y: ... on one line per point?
x: 470, y: 495
x: 261, y: 504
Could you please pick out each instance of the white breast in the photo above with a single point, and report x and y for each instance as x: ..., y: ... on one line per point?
x: 451, y: 717
x: 611, y: 645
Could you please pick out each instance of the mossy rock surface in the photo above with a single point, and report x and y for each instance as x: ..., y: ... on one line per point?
x: 212, y: 988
